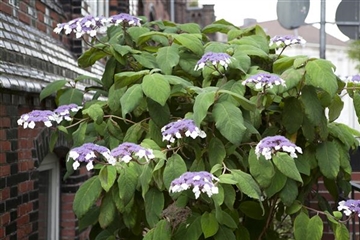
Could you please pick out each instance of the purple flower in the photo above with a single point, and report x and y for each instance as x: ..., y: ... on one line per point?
x: 198, y: 181
x: 180, y: 128
x: 270, y: 145
x: 124, y: 17
x: 28, y: 120
x: 85, y: 25
x: 262, y: 80
x: 87, y: 153
x: 126, y: 152
x: 350, y: 206
x: 354, y: 78
x: 287, y: 40
x: 63, y: 112
x: 214, y: 59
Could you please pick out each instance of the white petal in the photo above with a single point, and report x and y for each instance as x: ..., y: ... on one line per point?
x: 76, y: 164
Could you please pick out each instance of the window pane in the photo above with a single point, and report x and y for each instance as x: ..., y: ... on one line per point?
x: 44, y: 204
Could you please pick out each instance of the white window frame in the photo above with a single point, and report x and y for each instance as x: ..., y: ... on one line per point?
x: 51, y: 162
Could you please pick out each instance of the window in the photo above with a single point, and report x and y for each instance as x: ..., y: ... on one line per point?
x: 49, y: 195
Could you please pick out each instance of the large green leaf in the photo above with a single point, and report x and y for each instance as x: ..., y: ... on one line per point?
x: 320, y: 74
x: 162, y: 230
x: 300, y: 226
x: 190, y: 41
x: 252, y: 51
x: 327, y: 156
x: 154, y: 204
x: 131, y: 99
x: 108, y: 75
x: 292, y: 116
x: 202, y: 103
x: 127, y: 182
x: 71, y: 95
x: 146, y: 59
x: 89, y: 57
x: 289, y: 193
x: 312, y: 106
x: 277, y: 184
x: 79, y: 135
x: 209, y: 224
x: 217, y: 151
x: 224, y: 233
x: 95, y: 112
x: 261, y: 169
x: 356, y: 101
x: 107, y: 176
x: 114, y: 97
x: 107, y: 211
x: 156, y: 87
x: 286, y: 166
x: 246, y: 184
x: 167, y: 58
x: 292, y: 78
x: 335, y: 108
x: 282, y: 64
x: 244, y: 102
x: 229, y: 121
x: 52, y: 88
x: 252, y: 209
x: 86, y: 196
x: 314, y: 229
x: 134, y: 133
x: 124, y: 79
x: 175, y: 166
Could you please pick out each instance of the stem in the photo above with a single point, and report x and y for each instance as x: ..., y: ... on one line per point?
x: 74, y: 124
x: 270, y: 217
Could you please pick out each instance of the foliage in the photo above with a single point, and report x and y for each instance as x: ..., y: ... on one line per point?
x: 149, y: 81
x: 354, y: 52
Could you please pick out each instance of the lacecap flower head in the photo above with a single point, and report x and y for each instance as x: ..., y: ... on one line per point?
x: 128, y: 151
x: 198, y: 181
x: 272, y: 144
x: 286, y: 40
x: 264, y: 80
x: 180, y: 128
x: 87, y: 153
x: 28, y: 120
x: 124, y: 18
x: 63, y: 112
x: 350, y: 206
x: 354, y: 78
x: 213, y: 59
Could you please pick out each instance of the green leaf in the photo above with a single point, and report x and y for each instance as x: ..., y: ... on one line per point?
x: 189, y: 27
x: 356, y: 101
x: 224, y: 233
x: 229, y: 196
x: 277, y: 183
x: 159, y: 114
x: 289, y: 193
x: 314, y: 229
x: 156, y: 87
x: 71, y: 95
x: 162, y: 231
x: 167, y: 58
x: 134, y: 133
x: 240, y: 61
x: 127, y: 182
x: 327, y: 156
x: 86, y: 196
x: 312, y: 106
x: 246, y: 184
x: 95, y: 112
x: 89, y: 57
x: 145, y: 179
x: 282, y: 64
x: 261, y: 169
x: 303, y: 165
x: 114, y: 98
x: 229, y: 121
x: 292, y: 78
x: 108, y: 75
x: 224, y: 218
x: 252, y: 51
x: 107, y: 211
x: 194, y: 230
x: 341, y: 232
x: 90, y: 218
x: 53, y: 140
x: 217, y: 152
x: 286, y: 166
x: 51, y: 88
x: 209, y: 225
x: 292, y: 116
x: 136, y: 32
x: 175, y: 166
x: 201, y: 105
x: 131, y: 99
x: 124, y: 79
x: 252, y: 209
x: 79, y: 135
x: 107, y: 176
x: 245, y: 103
x: 320, y: 74
x: 300, y: 226
x: 154, y: 204
x: 190, y: 41
x: 335, y: 108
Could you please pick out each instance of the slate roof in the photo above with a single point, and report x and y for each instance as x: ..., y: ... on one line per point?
x: 29, y: 58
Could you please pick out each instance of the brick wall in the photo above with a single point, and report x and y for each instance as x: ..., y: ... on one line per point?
x: 21, y: 152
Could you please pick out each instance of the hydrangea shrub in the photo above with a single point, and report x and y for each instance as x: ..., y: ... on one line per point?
x: 189, y: 138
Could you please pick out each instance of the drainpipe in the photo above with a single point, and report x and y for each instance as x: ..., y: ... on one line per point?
x: 172, y: 10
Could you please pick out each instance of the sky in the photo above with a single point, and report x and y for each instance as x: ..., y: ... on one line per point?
x: 235, y: 11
